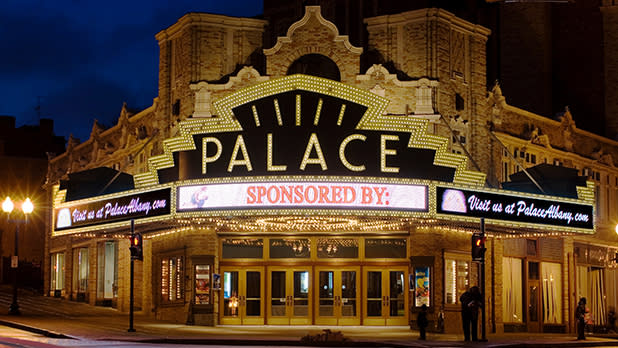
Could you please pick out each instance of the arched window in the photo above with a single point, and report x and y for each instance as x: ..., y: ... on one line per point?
x: 315, y: 65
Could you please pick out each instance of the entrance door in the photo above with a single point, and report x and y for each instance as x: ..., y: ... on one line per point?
x: 242, y: 296
x: 338, y: 296
x: 534, y: 298
x: 385, y: 297
x: 289, y: 296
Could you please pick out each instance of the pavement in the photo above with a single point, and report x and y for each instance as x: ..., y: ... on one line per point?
x: 58, y: 318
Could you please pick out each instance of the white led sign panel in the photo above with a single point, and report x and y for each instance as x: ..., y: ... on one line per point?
x: 310, y: 195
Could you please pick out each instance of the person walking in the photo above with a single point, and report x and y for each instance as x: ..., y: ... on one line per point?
x: 422, y: 322
x: 470, y: 304
x: 580, y: 317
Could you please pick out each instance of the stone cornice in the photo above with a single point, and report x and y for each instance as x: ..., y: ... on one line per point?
x: 197, y: 18
x: 430, y: 14
x: 106, y: 132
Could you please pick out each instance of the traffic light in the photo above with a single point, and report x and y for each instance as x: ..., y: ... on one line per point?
x: 478, y: 247
x: 136, y: 247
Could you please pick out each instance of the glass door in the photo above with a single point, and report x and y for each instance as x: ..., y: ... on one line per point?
x: 534, y: 298
x: 385, y: 292
x: 289, y: 296
x: 338, y: 296
x: 242, y: 296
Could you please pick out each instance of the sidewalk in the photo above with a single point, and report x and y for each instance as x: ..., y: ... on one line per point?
x: 58, y: 318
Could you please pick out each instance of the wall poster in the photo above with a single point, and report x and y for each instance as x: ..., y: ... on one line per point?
x: 421, y: 287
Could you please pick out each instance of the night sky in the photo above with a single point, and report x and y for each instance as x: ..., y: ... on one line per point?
x: 82, y: 59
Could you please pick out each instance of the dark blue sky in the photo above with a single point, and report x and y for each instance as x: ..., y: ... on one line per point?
x: 85, y: 58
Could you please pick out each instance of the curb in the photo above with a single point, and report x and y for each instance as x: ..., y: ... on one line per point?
x: 35, y: 330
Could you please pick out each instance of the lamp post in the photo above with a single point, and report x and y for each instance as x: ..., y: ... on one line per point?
x: 27, y: 207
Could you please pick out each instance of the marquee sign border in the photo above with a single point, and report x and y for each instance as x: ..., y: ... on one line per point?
x: 374, y: 119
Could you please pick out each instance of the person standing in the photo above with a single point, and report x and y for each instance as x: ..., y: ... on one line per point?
x: 422, y: 322
x: 580, y: 317
x: 470, y: 304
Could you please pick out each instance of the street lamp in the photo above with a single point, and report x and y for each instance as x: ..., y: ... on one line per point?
x: 27, y: 207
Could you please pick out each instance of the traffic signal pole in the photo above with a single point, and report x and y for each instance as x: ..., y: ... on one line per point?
x: 131, y: 329
x: 483, y: 330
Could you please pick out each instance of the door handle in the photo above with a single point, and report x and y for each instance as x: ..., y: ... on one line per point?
x: 383, y: 301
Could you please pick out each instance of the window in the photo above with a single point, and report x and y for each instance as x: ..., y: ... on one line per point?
x: 80, y: 270
x: 107, y: 268
x: 552, y: 292
x: 245, y: 248
x: 290, y: 248
x: 337, y: 248
x: 57, y: 272
x: 172, y: 270
x: 385, y: 248
x: 457, y: 273
x: 512, y: 290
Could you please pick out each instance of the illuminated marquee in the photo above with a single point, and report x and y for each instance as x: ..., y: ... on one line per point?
x: 514, y: 208
x: 306, y: 126
x: 135, y: 206
x: 260, y: 195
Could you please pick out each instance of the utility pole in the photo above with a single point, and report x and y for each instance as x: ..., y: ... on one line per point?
x: 483, y: 310
x: 131, y: 329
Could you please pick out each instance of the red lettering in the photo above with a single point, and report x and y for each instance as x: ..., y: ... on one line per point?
x: 379, y: 192
x: 251, y: 194
x: 324, y: 194
x: 261, y: 192
x: 349, y: 194
x: 366, y: 195
x: 315, y: 194
x: 270, y: 196
x: 337, y: 194
x: 286, y: 192
x: 298, y: 194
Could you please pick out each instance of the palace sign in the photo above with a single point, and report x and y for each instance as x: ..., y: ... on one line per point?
x: 321, y: 195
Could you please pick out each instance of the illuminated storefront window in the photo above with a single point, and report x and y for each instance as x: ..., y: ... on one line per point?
x: 107, y: 268
x: 57, y: 272
x: 171, y: 279
x: 80, y: 270
x: 512, y: 290
x: 457, y: 276
x: 552, y: 292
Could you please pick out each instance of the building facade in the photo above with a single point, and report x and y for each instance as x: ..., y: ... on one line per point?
x: 24, y: 155
x: 315, y: 193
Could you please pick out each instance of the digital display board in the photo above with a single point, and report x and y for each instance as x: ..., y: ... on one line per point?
x: 314, y: 195
x: 140, y: 205
x: 513, y: 208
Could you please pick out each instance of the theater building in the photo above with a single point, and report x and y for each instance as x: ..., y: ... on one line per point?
x: 314, y: 193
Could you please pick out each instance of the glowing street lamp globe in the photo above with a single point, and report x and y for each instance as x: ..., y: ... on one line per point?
x: 7, y: 205
x: 27, y: 207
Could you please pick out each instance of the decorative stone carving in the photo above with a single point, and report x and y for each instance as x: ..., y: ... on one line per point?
x: 202, y: 101
x: 378, y: 90
x: 566, y: 129
x: 539, y: 139
x: 424, y: 102
x: 497, y: 102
